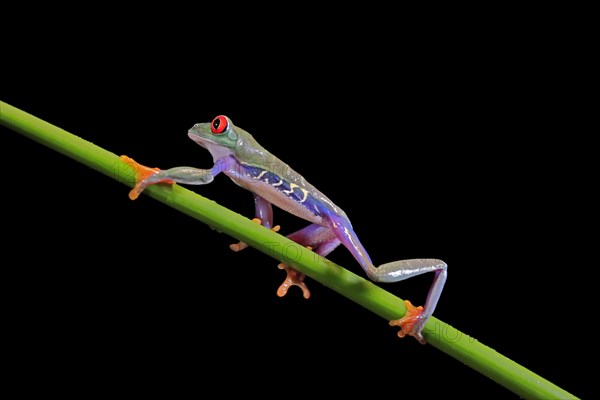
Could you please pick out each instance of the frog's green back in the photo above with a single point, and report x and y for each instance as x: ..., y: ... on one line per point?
x: 248, y: 151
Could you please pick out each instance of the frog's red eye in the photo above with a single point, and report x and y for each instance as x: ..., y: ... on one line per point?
x: 218, y: 125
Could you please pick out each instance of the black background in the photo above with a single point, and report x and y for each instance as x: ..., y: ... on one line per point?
x: 438, y: 148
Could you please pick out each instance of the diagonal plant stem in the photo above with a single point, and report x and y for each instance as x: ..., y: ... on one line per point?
x: 464, y: 348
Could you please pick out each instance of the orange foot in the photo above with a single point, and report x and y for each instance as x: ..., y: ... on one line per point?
x: 241, y: 245
x: 408, y: 322
x: 294, y: 278
x: 141, y: 174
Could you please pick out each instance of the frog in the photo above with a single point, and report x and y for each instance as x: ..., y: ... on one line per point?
x: 272, y: 182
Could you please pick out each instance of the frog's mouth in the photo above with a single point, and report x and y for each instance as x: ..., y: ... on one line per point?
x: 198, y: 139
x: 216, y: 150
x: 202, y: 139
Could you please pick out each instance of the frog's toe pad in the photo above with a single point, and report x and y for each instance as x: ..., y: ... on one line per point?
x: 142, y: 173
x: 409, y: 322
x: 239, y: 246
x: 294, y: 278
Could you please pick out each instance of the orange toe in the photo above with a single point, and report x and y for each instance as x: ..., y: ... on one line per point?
x: 408, y: 322
x: 241, y: 245
x: 141, y: 174
x: 141, y: 171
x: 294, y: 278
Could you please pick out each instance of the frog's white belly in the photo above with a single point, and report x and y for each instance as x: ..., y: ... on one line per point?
x: 288, y: 199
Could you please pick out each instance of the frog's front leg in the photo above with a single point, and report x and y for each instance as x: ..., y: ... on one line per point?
x: 187, y: 175
x: 263, y: 215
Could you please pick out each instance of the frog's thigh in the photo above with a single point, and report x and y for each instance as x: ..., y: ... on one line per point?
x: 313, y: 236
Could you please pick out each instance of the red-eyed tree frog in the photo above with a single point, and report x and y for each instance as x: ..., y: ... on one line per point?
x: 238, y: 155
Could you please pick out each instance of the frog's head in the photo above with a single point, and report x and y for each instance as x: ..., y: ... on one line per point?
x: 223, y: 139
x: 219, y: 136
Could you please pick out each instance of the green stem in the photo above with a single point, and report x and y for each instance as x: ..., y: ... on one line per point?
x: 466, y: 349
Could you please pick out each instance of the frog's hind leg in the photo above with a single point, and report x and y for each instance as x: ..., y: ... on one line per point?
x: 315, y: 237
x: 416, y: 317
